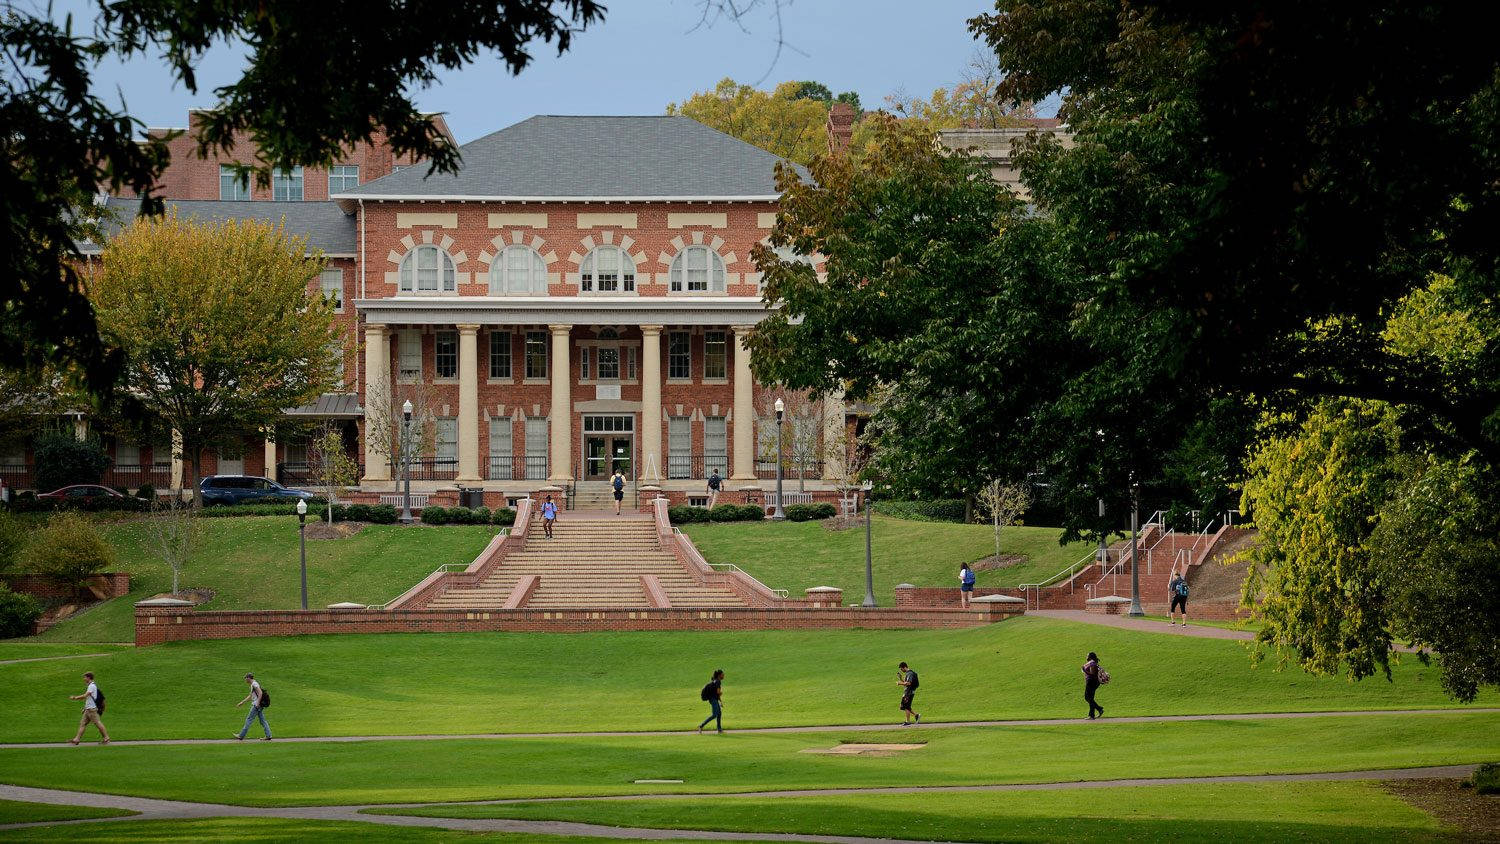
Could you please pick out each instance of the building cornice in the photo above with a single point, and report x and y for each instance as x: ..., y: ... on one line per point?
x: 571, y: 310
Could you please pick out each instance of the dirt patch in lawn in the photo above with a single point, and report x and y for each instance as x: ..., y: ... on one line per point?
x: 1000, y: 562
x: 337, y: 530
x: 851, y: 748
x: 1477, y: 816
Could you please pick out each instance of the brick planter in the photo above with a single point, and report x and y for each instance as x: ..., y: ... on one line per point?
x: 1108, y: 605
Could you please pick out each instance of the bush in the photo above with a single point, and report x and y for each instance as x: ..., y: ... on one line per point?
x: 33, y: 504
x: 480, y: 516
x: 12, y: 542
x: 432, y: 515
x: 931, y: 510
x: 1486, y: 778
x: 383, y: 514
x: 355, y: 513
x: 503, y: 516
x: 810, y: 512
x: 62, y: 459
x: 69, y: 549
x: 725, y: 513
x: 18, y: 613
x: 146, y: 492
x: 682, y: 514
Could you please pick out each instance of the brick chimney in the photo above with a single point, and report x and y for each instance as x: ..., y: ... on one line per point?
x: 840, y: 127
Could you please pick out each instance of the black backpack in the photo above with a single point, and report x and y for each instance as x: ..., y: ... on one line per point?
x: 708, y: 692
x: 98, y: 699
x: 265, y: 698
x: 914, y: 682
x: 619, y: 484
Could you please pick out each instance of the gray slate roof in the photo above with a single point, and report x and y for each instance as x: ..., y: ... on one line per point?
x: 343, y: 405
x: 555, y: 156
x: 324, y: 224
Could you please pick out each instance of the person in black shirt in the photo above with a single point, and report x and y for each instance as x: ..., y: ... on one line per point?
x: 714, y: 693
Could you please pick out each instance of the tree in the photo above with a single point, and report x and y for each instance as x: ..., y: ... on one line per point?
x: 971, y: 103
x: 384, y: 423
x: 801, y: 432
x: 62, y: 459
x: 332, y: 467
x: 1004, y: 503
x: 780, y: 122
x: 62, y: 144
x: 174, y: 532
x: 69, y: 549
x: 29, y: 400
x: 210, y: 354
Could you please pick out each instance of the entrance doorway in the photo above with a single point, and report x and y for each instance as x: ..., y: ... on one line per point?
x: 608, y: 447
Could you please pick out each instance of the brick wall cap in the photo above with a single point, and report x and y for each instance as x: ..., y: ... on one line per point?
x: 996, y: 599
x: 823, y: 590
x: 750, y: 488
x: 550, y: 490
x: 347, y: 605
x: 905, y: 586
x: 164, y: 602
x: 1107, y: 599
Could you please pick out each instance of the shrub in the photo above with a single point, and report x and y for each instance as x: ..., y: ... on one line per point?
x: 1486, y: 778
x: 33, y: 504
x: 480, y: 516
x: 355, y: 513
x: 682, y: 514
x: 146, y: 492
x: 726, y: 513
x: 434, y: 515
x: 503, y: 516
x: 810, y: 512
x: 12, y: 542
x: 63, y: 459
x: 69, y: 549
x: 752, y: 513
x: 383, y: 514
x: 930, y: 510
x: 18, y: 613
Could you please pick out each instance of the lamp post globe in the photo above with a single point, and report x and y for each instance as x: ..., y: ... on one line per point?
x: 778, y: 514
x: 302, y: 537
x: 406, y: 462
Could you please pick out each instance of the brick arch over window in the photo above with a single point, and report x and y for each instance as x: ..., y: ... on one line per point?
x: 509, y: 275
x: 593, y: 253
x: 427, y: 243
x: 703, y: 259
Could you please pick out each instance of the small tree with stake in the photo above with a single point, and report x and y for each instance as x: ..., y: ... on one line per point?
x: 332, y: 467
x: 1003, y: 503
x: 174, y: 533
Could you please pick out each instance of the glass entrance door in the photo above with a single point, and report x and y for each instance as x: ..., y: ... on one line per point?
x: 596, y: 458
x: 619, y: 456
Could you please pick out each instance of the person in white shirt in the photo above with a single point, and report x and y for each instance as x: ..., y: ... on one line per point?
x: 90, y: 698
x: 257, y: 711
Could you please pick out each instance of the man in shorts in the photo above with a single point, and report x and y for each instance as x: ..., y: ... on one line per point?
x: 90, y: 698
x: 1178, y: 589
x: 715, y: 483
x: 907, y: 679
x: 549, y: 515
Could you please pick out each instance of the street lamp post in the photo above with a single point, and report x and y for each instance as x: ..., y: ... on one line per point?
x: 869, y: 529
x: 406, y: 461
x: 302, y: 534
x: 778, y: 514
x: 1135, y: 556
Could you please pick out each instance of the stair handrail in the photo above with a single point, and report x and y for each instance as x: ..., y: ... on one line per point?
x: 731, y: 567
x: 442, y: 569
x: 1068, y: 573
x: 1206, y: 534
x: 1112, y: 570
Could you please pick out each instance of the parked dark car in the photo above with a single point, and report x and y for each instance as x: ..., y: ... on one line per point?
x: 238, y: 489
x: 80, y: 492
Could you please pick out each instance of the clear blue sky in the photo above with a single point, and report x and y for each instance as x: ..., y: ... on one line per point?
x: 643, y: 57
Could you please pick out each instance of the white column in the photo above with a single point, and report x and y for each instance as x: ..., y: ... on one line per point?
x: 560, y: 417
x: 835, y: 442
x: 377, y: 404
x: 177, y: 467
x: 744, y: 411
x: 270, y: 455
x: 650, y: 438
x: 468, y: 403
x: 80, y: 428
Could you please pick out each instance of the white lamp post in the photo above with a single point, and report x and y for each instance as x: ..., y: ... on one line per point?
x: 406, y: 461
x: 778, y: 514
x: 302, y: 534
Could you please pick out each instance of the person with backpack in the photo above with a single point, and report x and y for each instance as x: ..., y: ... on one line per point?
x: 1093, y: 676
x: 549, y: 516
x: 965, y: 584
x: 715, y: 483
x: 1178, y: 590
x: 617, y: 481
x: 714, y: 694
x: 93, y: 707
x: 259, y: 701
x: 907, y: 678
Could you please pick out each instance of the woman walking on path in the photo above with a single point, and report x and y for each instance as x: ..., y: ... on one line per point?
x: 1091, y: 683
x: 965, y: 583
x: 714, y: 693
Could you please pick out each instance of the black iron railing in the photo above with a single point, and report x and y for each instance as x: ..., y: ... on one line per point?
x: 517, y: 468
x: 790, y: 469
x: 16, y: 475
x: 136, y: 475
x: 304, y: 474
x: 700, y: 466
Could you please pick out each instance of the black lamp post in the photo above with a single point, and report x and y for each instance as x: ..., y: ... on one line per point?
x: 1135, y: 557
x: 302, y: 534
x: 869, y: 529
x: 406, y: 461
x: 778, y: 514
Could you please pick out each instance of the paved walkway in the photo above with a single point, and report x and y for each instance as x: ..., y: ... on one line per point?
x: 1196, y: 631
x: 816, y: 728
x: 153, y: 809
x: 50, y: 658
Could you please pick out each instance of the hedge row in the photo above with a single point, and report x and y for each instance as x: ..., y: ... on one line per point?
x: 468, y: 516
x: 810, y: 512
x: 930, y: 510
x: 27, y: 503
x: 681, y: 515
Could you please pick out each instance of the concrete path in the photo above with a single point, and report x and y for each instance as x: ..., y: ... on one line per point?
x: 1196, y: 631
x: 817, y: 728
x: 153, y: 809
x: 50, y: 658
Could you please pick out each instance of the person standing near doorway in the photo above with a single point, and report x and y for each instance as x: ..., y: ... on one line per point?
x: 715, y: 483
x: 617, y: 482
x: 93, y: 707
x: 549, y: 516
x: 258, y: 702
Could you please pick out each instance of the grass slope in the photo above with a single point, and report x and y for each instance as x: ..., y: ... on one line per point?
x: 1272, y: 812
x: 268, y: 773
x: 32, y: 649
x: 487, y: 682
x: 798, y: 555
x: 264, y: 830
x: 252, y: 563
x: 15, y: 811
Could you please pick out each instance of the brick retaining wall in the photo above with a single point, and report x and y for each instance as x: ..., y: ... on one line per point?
x: 114, y: 584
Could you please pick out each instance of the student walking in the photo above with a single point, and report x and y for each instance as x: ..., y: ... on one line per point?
x: 1178, y: 590
x: 907, y: 679
x: 1093, y: 675
x: 714, y: 694
x: 715, y: 483
x: 549, y: 515
x: 258, y: 700
x: 93, y: 707
x: 965, y: 583
x: 618, y: 482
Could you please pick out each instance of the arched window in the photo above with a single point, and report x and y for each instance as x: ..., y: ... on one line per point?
x: 427, y: 269
x: 697, y: 269
x: 608, y: 269
x: 518, y: 270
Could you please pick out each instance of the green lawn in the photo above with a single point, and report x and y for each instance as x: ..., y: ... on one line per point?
x: 798, y: 555
x: 264, y: 830
x: 33, y: 649
x: 271, y: 773
x: 15, y: 811
x: 252, y: 562
x: 1272, y: 812
x: 484, y: 682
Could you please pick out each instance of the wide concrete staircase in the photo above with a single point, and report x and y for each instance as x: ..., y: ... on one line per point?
x: 596, y: 561
x: 599, y: 495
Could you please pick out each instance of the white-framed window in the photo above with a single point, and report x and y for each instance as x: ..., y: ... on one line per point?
x: 445, y: 439
x: 427, y: 269
x: 331, y: 282
x: 342, y: 177
x: 609, y: 363
x: 518, y: 270
x: 536, y: 447
x: 286, y: 185
x: 584, y: 367
x: 296, y: 451
x: 500, y: 355
x: 715, y: 355
x: 501, y: 448
x: 679, y: 447
x: 161, y: 457
x: 679, y: 355
x: 127, y: 457
x: 445, y: 354
x: 697, y: 269
x: 409, y: 356
x: 608, y: 269
x: 536, y: 354
x: 630, y: 363
x: 715, y: 445
x: 231, y: 185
